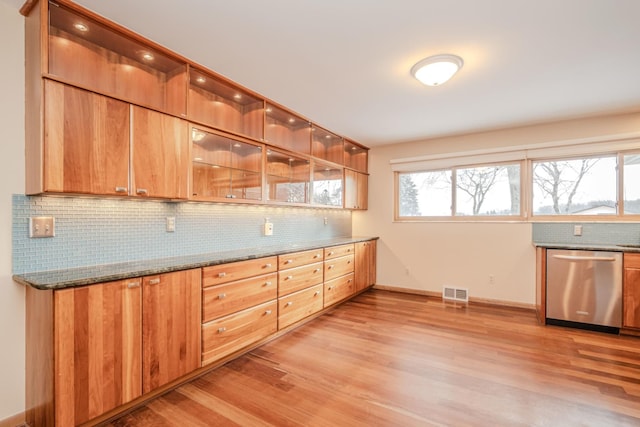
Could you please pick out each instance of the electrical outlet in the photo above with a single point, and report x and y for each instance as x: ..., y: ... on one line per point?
x: 268, y: 229
x: 577, y: 230
x: 326, y: 221
x: 492, y: 279
x: 42, y: 226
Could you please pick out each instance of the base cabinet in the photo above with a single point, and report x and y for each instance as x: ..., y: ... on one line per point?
x: 631, y: 291
x: 365, y: 268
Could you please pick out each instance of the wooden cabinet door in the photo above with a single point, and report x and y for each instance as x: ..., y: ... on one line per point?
x: 86, y: 142
x: 160, y: 155
x: 631, y: 299
x: 363, y: 191
x: 350, y: 189
x: 365, y: 265
x: 97, y: 349
x: 170, y: 327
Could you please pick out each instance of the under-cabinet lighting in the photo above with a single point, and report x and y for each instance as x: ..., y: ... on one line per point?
x: 201, y: 79
x: 292, y: 120
x: 237, y: 96
x: 147, y: 56
x: 81, y: 27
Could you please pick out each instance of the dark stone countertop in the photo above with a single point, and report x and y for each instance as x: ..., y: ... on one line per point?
x: 589, y: 247
x: 81, y: 276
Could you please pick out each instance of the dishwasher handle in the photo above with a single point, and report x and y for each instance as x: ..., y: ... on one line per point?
x: 584, y: 258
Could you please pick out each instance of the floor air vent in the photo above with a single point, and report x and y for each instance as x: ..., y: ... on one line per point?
x: 455, y: 294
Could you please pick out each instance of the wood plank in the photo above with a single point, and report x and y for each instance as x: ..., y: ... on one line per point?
x: 386, y: 358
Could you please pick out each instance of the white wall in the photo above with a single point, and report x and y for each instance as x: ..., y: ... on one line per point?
x: 426, y: 256
x: 12, y: 166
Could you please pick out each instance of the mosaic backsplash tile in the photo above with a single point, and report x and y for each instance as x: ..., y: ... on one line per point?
x: 597, y: 233
x: 91, y: 231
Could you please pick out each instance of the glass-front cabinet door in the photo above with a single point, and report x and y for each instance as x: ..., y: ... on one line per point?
x: 326, y: 145
x: 287, y: 177
x: 225, y: 168
x: 286, y: 130
x: 327, y: 185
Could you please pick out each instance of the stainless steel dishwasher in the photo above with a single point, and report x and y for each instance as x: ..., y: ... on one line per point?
x: 584, y: 289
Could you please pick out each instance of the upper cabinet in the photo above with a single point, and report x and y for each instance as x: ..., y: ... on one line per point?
x: 89, y: 54
x: 225, y: 168
x: 111, y: 113
x: 286, y: 130
x: 222, y: 105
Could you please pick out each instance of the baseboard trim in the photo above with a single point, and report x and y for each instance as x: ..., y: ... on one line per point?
x: 15, y: 421
x: 474, y: 300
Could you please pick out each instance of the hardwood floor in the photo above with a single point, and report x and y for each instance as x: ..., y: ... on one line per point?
x: 390, y: 359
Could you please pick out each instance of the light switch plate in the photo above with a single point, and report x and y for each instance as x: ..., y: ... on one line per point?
x: 577, y: 230
x: 268, y: 229
x: 42, y: 226
x: 171, y: 224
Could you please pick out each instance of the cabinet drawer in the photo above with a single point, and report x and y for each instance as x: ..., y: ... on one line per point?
x: 299, y: 305
x: 229, y: 334
x: 338, y: 251
x: 632, y: 260
x: 220, y: 300
x: 338, y: 267
x: 338, y: 289
x: 297, y: 259
x: 223, y: 273
x: 294, y: 279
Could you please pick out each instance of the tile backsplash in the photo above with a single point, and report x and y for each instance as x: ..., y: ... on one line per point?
x: 92, y: 231
x: 605, y: 233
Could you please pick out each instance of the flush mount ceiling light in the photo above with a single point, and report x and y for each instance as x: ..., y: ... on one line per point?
x: 435, y: 70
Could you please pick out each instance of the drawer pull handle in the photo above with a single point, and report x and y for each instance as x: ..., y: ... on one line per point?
x: 268, y: 265
x: 330, y: 267
x: 289, y: 261
x: 289, y: 277
x: 349, y: 281
x: 132, y: 285
x: 222, y: 274
x: 142, y: 191
x: 331, y: 253
x: 222, y: 296
x: 349, y: 262
x: 316, y: 270
x: 268, y: 312
x: 330, y: 288
x: 121, y: 189
x: 154, y: 281
x: 268, y: 283
x: 289, y: 304
x: 316, y: 256
x: 316, y: 293
x: 222, y: 329
x: 349, y: 250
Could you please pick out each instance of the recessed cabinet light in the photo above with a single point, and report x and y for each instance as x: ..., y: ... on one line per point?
x: 201, y: 79
x: 147, y: 56
x: 81, y: 27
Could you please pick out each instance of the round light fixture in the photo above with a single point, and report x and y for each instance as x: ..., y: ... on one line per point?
x: 435, y: 70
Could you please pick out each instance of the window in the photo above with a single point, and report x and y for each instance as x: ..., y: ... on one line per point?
x: 631, y: 181
x: 585, y: 186
x: 489, y: 190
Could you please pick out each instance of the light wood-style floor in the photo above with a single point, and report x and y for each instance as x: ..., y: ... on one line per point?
x: 390, y: 359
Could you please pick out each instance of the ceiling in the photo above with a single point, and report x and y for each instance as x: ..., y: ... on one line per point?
x: 345, y: 64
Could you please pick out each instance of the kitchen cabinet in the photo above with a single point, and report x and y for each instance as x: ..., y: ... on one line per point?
x: 286, y: 130
x: 222, y: 105
x: 239, y: 306
x: 225, y: 168
x: 365, y: 265
x: 327, y: 185
x: 86, y: 143
x: 98, y: 335
x: 326, y: 145
x: 356, y: 156
x: 300, y: 290
x: 338, y: 273
x: 356, y: 189
x: 160, y: 155
x: 631, y: 291
x: 338, y: 289
x: 170, y: 327
x: 288, y: 177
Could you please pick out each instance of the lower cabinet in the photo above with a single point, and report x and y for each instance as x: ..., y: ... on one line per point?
x: 338, y: 289
x: 631, y: 291
x: 298, y: 305
x: 365, y: 267
x: 339, y: 266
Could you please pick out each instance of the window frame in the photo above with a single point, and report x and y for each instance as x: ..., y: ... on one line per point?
x: 526, y: 191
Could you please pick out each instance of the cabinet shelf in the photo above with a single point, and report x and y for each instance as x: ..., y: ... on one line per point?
x: 287, y: 130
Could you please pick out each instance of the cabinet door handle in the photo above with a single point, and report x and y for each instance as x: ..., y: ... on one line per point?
x: 268, y: 312
x: 132, y: 285
x: 222, y: 296
x: 221, y: 275
x: 289, y: 304
x: 154, y: 281
x: 142, y: 191
x: 222, y: 329
x: 121, y: 189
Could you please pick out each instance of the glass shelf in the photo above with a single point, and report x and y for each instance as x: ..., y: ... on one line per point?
x: 286, y: 130
x: 113, y: 64
x: 225, y: 168
x: 287, y: 178
x: 217, y: 103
